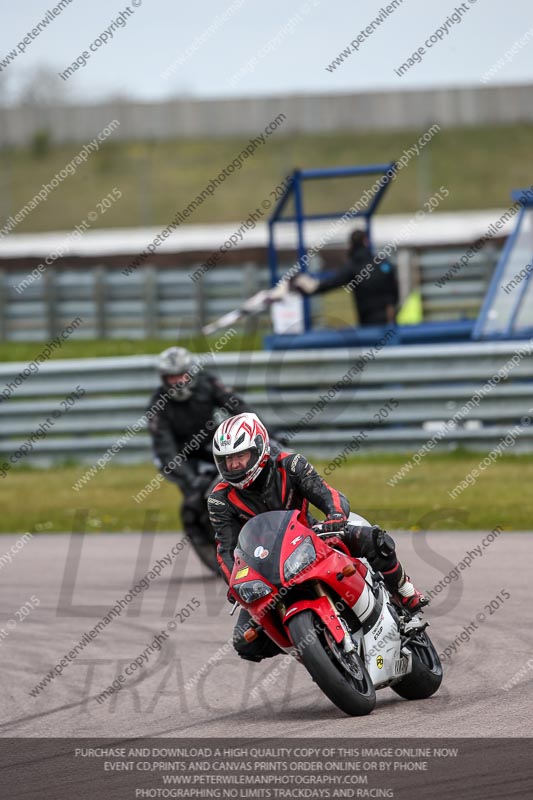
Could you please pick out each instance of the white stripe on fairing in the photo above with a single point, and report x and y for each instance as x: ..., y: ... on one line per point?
x: 365, y: 604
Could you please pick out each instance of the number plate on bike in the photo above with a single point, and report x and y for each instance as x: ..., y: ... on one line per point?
x: 400, y: 666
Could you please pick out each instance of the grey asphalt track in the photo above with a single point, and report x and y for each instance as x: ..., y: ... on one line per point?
x: 77, y: 579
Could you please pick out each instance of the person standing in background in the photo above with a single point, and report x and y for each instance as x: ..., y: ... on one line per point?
x: 372, y: 281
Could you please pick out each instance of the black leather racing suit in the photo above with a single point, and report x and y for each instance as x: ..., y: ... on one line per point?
x: 288, y: 481
x: 182, y: 432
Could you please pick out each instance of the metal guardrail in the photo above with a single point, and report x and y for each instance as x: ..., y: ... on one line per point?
x: 428, y: 384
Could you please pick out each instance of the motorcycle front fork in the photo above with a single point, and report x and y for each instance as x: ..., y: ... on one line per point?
x: 347, y: 642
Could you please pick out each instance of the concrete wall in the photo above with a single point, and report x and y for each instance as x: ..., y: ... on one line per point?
x: 248, y: 116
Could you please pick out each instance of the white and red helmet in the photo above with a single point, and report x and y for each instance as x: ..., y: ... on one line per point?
x: 236, y: 435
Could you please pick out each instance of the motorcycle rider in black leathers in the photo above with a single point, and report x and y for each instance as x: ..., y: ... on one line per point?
x: 254, y: 481
x: 182, y: 427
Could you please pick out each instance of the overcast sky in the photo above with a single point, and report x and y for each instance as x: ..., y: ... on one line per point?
x: 292, y: 43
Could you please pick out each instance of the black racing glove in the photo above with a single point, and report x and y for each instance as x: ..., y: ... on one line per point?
x: 335, y: 523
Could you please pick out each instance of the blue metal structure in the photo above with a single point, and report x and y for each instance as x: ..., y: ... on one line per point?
x: 507, y: 312
x: 295, y: 192
x: 374, y: 335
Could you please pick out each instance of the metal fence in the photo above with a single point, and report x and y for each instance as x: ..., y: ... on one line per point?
x: 291, y: 391
x: 463, y: 294
x: 305, y: 113
x: 161, y: 302
x: 152, y: 302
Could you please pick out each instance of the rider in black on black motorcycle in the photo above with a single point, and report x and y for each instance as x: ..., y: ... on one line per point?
x: 182, y: 428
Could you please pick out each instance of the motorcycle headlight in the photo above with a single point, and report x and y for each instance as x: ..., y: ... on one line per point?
x: 304, y: 555
x: 252, y: 590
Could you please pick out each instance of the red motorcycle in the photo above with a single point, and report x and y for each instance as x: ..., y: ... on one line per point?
x: 332, y: 612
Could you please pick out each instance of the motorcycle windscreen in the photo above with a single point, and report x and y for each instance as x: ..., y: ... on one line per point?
x: 260, y: 540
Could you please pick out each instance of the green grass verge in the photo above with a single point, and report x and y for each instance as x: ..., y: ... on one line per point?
x: 479, y: 166
x: 94, y: 348
x: 419, y: 501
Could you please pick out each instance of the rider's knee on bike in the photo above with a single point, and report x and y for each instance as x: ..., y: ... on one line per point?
x: 371, y: 543
x: 379, y: 548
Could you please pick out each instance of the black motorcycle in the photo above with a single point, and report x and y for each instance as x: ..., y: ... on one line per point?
x: 196, y: 521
